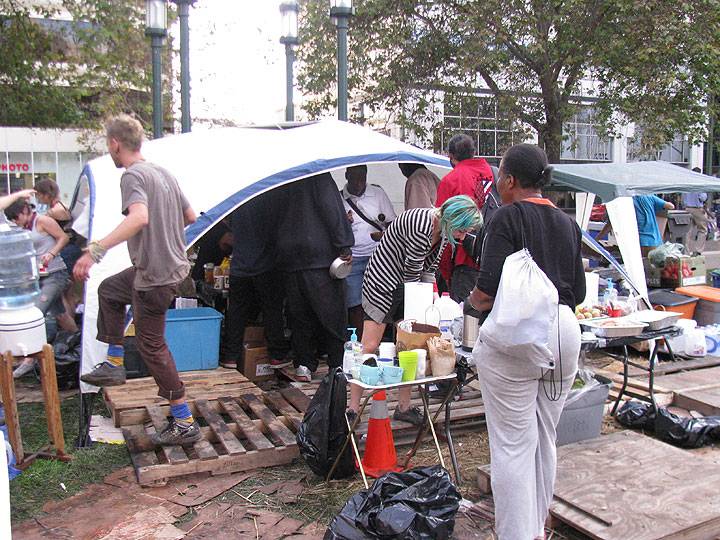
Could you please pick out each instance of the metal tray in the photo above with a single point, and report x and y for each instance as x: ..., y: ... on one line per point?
x: 626, y: 327
x: 656, y: 320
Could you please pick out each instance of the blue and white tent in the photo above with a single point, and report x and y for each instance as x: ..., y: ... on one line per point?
x: 219, y: 170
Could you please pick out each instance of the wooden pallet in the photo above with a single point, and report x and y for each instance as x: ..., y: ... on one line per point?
x: 241, y: 433
x: 127, y: 402
x: 626, y: 485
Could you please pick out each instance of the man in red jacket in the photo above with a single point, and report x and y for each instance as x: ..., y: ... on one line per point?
x: 473, y: 177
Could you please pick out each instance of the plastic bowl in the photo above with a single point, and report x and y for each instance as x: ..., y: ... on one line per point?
x: 392, y: 374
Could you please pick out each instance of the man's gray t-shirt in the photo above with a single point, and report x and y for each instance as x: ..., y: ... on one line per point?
x: 158, y: 250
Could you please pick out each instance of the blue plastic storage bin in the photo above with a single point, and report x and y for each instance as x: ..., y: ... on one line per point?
x: 193, y: 336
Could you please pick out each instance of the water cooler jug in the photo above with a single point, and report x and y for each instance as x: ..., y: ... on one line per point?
x: 22, y: 325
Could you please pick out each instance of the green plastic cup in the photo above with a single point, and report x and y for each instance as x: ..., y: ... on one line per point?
x: 408, y: 361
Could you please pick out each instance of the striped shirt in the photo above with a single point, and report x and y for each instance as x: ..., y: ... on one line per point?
x: 402, y: 256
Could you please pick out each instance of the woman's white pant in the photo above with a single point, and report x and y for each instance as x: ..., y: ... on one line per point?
x: 522, y: 414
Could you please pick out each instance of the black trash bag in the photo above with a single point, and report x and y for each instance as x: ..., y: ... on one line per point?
x: 417, y: 504
x: 686, y: 432
x: 637, y: 414
x: 67, y: 348
x: 323, y: 430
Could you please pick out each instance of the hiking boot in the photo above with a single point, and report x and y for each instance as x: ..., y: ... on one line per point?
x: 177, y: 433
x: 303, y: 374
x: 105, y: 375
x: 411, y: 416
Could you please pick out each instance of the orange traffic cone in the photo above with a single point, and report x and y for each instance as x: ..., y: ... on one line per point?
x: 380, y: 456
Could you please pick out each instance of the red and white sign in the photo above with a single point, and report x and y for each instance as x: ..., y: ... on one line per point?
x: 14, y: 167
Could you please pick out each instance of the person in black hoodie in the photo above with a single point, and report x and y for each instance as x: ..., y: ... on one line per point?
x: 254, y: 281
x: 312, y: 232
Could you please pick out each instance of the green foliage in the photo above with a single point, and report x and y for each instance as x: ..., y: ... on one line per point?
x: 654, y: 60
x: 95, y: 66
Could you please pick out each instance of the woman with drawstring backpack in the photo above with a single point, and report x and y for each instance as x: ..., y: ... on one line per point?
x: 524, y: 385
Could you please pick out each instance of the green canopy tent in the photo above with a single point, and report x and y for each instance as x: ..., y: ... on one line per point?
x: 612, y: 180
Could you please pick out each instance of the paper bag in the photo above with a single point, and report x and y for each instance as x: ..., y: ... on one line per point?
x: 417, y: 337
x: 441, y: 356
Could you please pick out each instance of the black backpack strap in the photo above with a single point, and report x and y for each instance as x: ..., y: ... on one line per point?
x: 362, y: 215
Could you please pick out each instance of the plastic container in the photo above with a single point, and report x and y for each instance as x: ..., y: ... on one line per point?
x: 707, y: 311
x: 352, y: 352
x: 387, y: 349
x: 665, y: 300
x: 422, y: 363
x: 582, y: 418
x: 18, y: 269
x: 408, y: 361
x: 449, y: 309
x: 193, y: 336
x: 22, y: 331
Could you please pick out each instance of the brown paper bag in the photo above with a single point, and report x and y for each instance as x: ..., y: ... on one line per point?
x: 441, y: 355
x: 417, y: 338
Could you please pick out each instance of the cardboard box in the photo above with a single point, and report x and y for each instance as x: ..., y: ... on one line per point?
x: 255, y: 335
x: 256, y: 364
x: 695, y: 271
x: 652, y: 273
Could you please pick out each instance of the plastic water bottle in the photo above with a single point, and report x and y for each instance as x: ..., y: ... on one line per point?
x: 448, y: 311
x: 352, y: 352
x: 18, y: 269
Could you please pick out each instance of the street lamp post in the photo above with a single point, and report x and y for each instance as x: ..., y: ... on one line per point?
x: 340, y: 12
x: 184, y: 13
x: 156, y: 28
x: 289, y: 38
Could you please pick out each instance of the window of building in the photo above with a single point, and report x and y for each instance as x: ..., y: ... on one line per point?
x: 676, y: 151
x: 581, y: 141
x: 19, y: 169
x: 479, y: 117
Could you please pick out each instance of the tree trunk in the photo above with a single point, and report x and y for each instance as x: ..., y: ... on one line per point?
x: 550, y: 138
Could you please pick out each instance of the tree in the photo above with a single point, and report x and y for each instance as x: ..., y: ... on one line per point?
x: 76, y: 73
x: 651, y: 61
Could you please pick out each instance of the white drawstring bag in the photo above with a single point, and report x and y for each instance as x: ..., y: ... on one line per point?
x: 525, y: 308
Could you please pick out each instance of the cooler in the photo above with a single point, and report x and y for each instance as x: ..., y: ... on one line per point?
x: 665, y: 300
x: 708, y: 307
x: 193, y: 336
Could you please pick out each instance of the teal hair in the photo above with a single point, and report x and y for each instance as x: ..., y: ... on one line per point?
x: 457, y: 214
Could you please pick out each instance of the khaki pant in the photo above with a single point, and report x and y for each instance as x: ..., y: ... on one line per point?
x: 522, y: 410
x: 699, y: 231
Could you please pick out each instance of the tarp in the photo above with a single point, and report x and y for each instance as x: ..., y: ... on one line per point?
x: 611, y: 180
x: 219, y: 170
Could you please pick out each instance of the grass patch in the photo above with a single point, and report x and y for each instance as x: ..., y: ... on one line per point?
x: 40, y: 482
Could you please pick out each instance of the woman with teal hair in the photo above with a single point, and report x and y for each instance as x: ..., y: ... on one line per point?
x: 408, y: 252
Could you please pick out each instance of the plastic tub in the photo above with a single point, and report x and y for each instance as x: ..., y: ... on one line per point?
x: 193, y: 336
x: 665, y: 300
x: 582, y: 419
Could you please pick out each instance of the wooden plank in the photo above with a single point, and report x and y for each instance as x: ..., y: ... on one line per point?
x: 277, y: 428
x: 204, y: 450
x: 222, y: 465
x: 646, y: 488
x: 139, y: 446
x: 174, y: 454
x: 690, y: 380
x: 217, y: 424
x: 665, y: 368
x: 12, y: 420
x: 246, y: 426
x: 278, y: 402
x: 296, y: 398
x: 706, y: 402
x: 48, y: 380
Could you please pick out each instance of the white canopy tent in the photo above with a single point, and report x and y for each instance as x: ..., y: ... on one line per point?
x: 218, y: 171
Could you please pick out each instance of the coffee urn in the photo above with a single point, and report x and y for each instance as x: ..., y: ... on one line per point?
x: 471, y: 327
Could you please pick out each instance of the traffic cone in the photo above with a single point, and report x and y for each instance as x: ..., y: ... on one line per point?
x: 380, y: 456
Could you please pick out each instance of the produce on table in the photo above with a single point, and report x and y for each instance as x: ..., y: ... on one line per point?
x: 586, y: 312
x: 673, y: 270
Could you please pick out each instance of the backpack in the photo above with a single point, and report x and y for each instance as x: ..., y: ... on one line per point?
x: 472, y: 244
x: 323, y: 430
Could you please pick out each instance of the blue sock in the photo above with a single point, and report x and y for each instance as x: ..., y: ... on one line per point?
x: 182, y: 413
x: 116, y: 355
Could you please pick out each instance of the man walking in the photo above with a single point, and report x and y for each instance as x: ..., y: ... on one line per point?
x: 694, y: 203
x: 156, y: 212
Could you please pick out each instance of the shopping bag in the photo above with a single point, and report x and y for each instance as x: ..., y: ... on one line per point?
x: 442, y: 356
x: 525, y: 308
x: 413, y: 335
